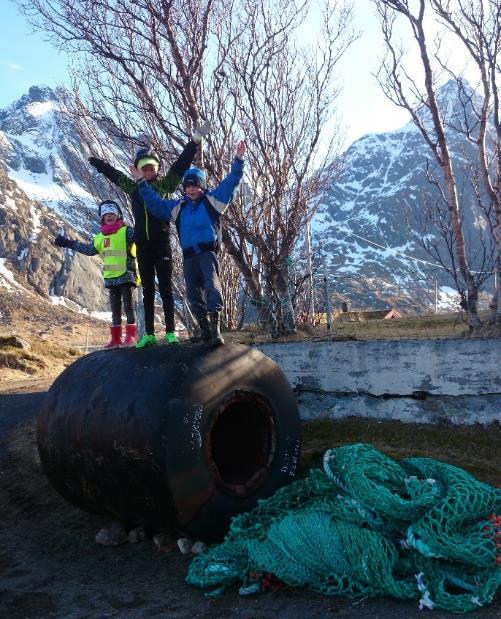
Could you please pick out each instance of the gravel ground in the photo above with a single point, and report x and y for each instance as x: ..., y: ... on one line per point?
x: 51, y: 567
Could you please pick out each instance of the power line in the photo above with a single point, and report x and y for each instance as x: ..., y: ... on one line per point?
x: 399, y: 253
x: 395, y: 251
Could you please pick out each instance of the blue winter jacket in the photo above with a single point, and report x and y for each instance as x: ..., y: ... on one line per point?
x: 195, y: 225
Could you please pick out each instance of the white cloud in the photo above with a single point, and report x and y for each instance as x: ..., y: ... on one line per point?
x: 11, y: 66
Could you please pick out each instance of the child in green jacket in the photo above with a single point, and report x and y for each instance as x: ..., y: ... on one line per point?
x: 152, y: 235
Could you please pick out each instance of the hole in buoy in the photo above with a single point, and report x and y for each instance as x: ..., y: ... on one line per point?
x: 242, y: 442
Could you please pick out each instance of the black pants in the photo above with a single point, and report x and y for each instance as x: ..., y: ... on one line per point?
x: 149, y: 263
x: 122, y: 292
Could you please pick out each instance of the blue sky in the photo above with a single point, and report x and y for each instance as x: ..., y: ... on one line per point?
x: 27, y: 59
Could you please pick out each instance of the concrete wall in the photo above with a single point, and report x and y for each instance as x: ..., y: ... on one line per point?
x: 424, y: 381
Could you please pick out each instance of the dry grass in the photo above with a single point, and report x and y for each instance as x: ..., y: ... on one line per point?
x: 473, y: 448
x: 56, y: 334
x: 363, y: 326
x: 44, y: 359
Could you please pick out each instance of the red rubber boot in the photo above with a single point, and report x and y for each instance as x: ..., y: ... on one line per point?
x: 116, y: 337
x: 130, y: 336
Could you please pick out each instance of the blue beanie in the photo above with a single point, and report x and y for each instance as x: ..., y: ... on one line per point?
x: 195, y: 176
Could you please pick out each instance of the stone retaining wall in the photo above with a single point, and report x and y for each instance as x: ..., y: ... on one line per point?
x: 423, y: 381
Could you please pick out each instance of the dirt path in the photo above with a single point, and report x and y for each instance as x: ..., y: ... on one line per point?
x: 51, y: 567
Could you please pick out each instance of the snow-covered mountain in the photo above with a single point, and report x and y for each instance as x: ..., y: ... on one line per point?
x: 366, y: 222
x: 43, y: 180
x: 44, y: 156
x: 363, y: 225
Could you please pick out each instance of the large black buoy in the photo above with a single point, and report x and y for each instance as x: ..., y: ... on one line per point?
x: 180, y: 437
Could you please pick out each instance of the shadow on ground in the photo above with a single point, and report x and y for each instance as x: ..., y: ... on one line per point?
x: 51, y: 567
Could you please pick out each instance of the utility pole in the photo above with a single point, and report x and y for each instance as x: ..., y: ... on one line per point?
x: 140, y: 311
x: 327, y: 301
x: 436, y: 296
x: 309, y: 268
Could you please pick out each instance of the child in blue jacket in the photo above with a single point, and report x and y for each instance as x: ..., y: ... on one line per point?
x: 197, y: 218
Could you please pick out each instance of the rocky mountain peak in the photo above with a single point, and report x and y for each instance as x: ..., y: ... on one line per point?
x: 371, y: 219
x: 45, y: 181
x: 457, y: 103
x: 45, y: 156
x: 33, y: 100
x: 40, y: 94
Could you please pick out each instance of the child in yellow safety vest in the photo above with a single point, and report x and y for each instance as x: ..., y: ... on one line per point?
x: 115, y: 244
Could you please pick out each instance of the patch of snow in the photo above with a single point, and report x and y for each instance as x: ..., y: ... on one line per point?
x: 37, y: 186
x: 39, y: 109
x: 35, y: 218
x: 28, y: 142
x: 10, y: 203
x: 22, y: 254
x: 347, y: 206
x: 7, y: 279
x: 72, y: 305
x: 41, y: 187
x: 5, y: 275
x: 447, y: 297
x: 371, y: 218
x: 55, y: 300
x: 347, y: 270
x: 321, y: 222
x: 4, y: 140
x: 106, y: 316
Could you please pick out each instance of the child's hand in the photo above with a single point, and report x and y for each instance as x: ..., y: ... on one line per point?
x: 201, y: 131
x: 137, y: 174
x: 241, y: 148
x: 62, y: 241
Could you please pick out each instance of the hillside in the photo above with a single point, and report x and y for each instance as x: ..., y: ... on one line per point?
x: 370, y: 219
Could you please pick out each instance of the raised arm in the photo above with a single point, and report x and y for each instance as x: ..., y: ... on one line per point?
x: 169, y: 183
x: 156, y: 205
x: 118, y: 178
x: 82, y: 248
x: 222, y: 195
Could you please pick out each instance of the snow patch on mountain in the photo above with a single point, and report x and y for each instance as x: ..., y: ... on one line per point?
x: 7, y: 278
x: 370, y: 221
x: 40, y: 154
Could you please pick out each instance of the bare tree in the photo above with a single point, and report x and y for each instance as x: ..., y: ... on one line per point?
x: 158, y: 67
x: 434, y: 232
x: 401, y: 88
x: 478, y: 26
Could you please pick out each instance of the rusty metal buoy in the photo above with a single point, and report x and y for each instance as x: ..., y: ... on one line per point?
x: 181, y: 437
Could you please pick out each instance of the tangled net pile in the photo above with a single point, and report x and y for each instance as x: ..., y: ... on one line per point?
x: 369, y: 526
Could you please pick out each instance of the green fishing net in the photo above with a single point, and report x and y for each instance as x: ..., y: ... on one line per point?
x: 369, y: 526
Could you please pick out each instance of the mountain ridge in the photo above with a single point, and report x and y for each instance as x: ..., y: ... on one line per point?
x: 363, y: 223
x: 370, y: 219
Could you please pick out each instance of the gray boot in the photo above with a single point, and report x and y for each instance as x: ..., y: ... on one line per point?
x: 215, y: 333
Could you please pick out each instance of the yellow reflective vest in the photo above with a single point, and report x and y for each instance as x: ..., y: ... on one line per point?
x: 113, y: 249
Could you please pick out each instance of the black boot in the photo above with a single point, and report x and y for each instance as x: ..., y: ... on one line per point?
x: 205, y: 329
x: 203, y: 333
x: 215, y: 322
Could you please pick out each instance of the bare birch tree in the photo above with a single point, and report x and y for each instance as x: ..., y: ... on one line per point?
x: 156, y: 68
x: 400, y: 87
x: 477, y: 25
